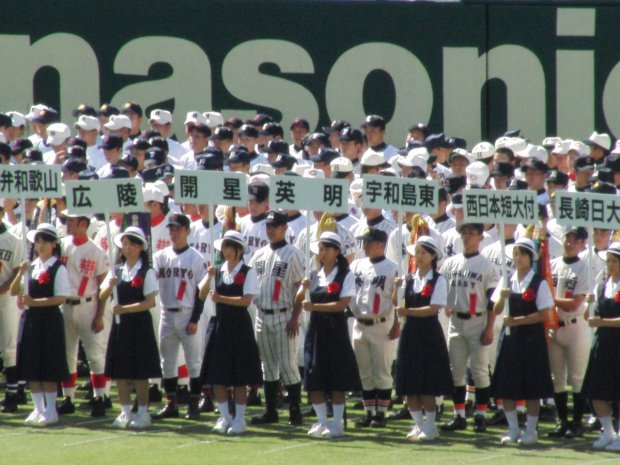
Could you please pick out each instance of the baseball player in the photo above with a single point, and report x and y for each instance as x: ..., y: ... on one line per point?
x: 280, y: 269
x: 471, y: 281
x: 180, y: 268
x: 87, y: 265
x: 11, y: 253
x: 569, y: 348
x: 376, y: 327
x: 372, y: 218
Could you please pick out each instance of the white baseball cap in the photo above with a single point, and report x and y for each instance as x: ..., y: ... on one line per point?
x: 57, y: 133
x: 34, y: 111
x: 314, y: 173
x: 516, y: 144
x: 534, y: 151
x: 477, y: 173
x: 151, y: 192
x: 602, y: 140
x: 372, y: 158
x: 483, y: 150
x: 161, y: 116
x: 17, y: 119
x: 265, y: 168
x: 195, y: 117
x: 550, y: 141
x: 88, y: 123
x: 458, y: 152
x: 327, y: 237
x: 561, y: 147
x: 117, y: 122
x: 341, y: 165
x: 427, y: 241
x: 213, y: 119
x: 232, y: 236
x: 356, y: 187
x: 579, y: 147
x: 132, y: 231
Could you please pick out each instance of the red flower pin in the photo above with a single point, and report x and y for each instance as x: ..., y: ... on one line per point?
x: 333, y: 288
x: 45, y: 278
x: 427, y: 291
x: 239, y: 279
x: 616, y: 297
x: 137, y: 282
x: 529, y: 295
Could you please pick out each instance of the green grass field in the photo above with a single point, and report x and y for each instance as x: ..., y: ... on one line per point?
x: 80, y: 439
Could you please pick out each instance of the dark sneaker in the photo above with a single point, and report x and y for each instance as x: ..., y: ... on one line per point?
x: 21, y: 397
x: 401, y: 414
x: 206, y: 405
x: 98, y: 409
x: 107, y: 401
x: 480, y: 423
x: 522, y: 419
x: 458, y: 423
x: 269, y: 416
x: 575, y: 430
x: 295, y: 418
x: 170, y: 410
x: 155, y: 394
x: 9, y: 405
x: 183, y: 396
x: 193, y: 412
x: 254, y: 399
x: 498, y: 419
x: 365, y: 421
x: 379, y: 421
x: 66, y: 407
x: 559, y: 431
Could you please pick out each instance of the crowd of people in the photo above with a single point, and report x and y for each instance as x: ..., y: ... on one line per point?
x: 165, y: 316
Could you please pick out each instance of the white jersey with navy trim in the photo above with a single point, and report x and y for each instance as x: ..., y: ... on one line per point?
x: 200, y: 238
x: 453, y: 245
x: 374, y: 282
x: 348, y: 242
x: 391, y: 250
x: 440, y: 224
x: 255, y: 235
x: 179, y: 275
x: 296, y: 224
x: 569, y: 280
x: 386, y: 224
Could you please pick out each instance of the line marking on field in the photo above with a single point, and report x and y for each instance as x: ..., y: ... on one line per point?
x: 34, y: 429
x: 88, y: 441
x: 208, y: 441
x: 301, y: 444
x: 487, y: 457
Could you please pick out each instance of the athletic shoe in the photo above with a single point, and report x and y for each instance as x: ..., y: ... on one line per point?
x: 98, y: 409
x: 559, y: 431
x: 511, y: 437
x: 575, y: 430
x: 480, y: 423
x: 429, y: 433
x: 237, y: 427
x: 193, y: 412
x: 107, y: 401
x: 497, y: 419
x: 21, y: 396
x: 604, y: 440
x: 170, y: 410
x: 379, y: 421
x: 594, y: 424
x: 51, y: 416
x: 183, y: 395
x: 333, y: 430
x: 206, y: 405
x: 401, y: 414
x: 365, y: 421
x: 522, y: 419
x: 269, y: 416
x: 221, y: 425
x: 66, y: 406
x: 140, y: 421
x: 9, y: 405
x: 457, y: 423
x: 316, y: 430
x: 614, y: 446
x: 295, y: 418
x: 122, y: 421
x: 529, y: 438
x: 33, y: 417
x: 414, y: 433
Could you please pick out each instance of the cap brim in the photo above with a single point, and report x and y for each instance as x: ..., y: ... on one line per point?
x: 32, y: 234
x: 218, y: 243
x: 511, y: 247
x: 411, y: 250
x: 119, y: 238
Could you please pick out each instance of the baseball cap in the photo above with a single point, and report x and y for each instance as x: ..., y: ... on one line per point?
x: 341, y: 167
x: 200, y: 127
x: 34, y: 111
x: 178, y: 219
x: 132, y: 107
x: 351, y: 134
x: 140, y: 144
x: 21, y: 145
x: 88, y: 123
x: 313, y: 173
x: 84, y: 109
x: 17, y: 119
x: 57, y: 133
x: 602, y: 140
x: 117, y: 122
x: 336, y: 126
x: 152, y: 175
x: 259, y: 120
x: 517, y: 185
x: 211, y: 159
x: 483, y: 150
x: 373, y: 235
x: 154, y: 156
x: 232, y: 236
x: 372, y: 158
x: 88, y: 175
x: 76, y: 151
x: 129, y: 161
x: 276, y: 218
x: 239, y: 156
x: 73, y: 165
x: 317, y: 136
x: 325, y: 155
x: 5, y: 120
x: 374, y: 121
x: 134, y: 232
x: 195, y: 117
x: 272, y: 129
x: 258, y: 191
x: 277, y: 146
x: 213, y: 119
x: 234, y: 122
x: 561, y: 147
x: 284, y: 161
x: 111, y: 142
x: 161, y: 116
x: 534, y: 151
x: 525, y: 243
x: 116, y: 172
x: 327, y: 237
x: 420, y: 127
x: 299, y: 121
x: 248, y: 130
x: 108, y: 110
x: 549, y: 142
x: 46, y: 116
x: 461, y: 153
x: 502, y: 168
x: 584, y: 162
x: 534, y: 164
x: 579, y: 147
x: 455, y: 182
x: 515, y: 144
x: 223, y: 133
x: 478, y: 226
x: 425, y: 241
x: 150, y: 192
x: 33, y: 156
x: 437, y: 141
x: 477, y: 173
x: 579, y: 231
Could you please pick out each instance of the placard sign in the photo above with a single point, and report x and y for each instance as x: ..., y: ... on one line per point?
x: 104, y: 195
x: 493, y: 206
x: 296, y: 193
x: 211, y: 188
x: 401, y: 194
x: 588, y: 210
x: 30, y: 181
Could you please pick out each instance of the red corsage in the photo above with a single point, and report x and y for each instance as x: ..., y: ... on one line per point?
x: 617, y: 297
x: 45, y: 278
x: 333, y: 288
x: 239, y: 279
x: 529, y: 295
x: 427, y: 291
x: 137, y: 282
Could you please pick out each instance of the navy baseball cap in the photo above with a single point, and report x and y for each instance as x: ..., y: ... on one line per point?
x: 373, y: 235
x: 5, y: 120
x: 132, y: 107
x: 129, y: 161
x: 258, y: 191
x: 178, y: 219
x: 84, y: 109
x: 437, y: 141
x: 276, y: 218
x: 75, y: 151
x: 73, y: 165
x: 336, y: 126
x: 325, y: 155
x: 223, y: 133
x: 420, y: 127
x: 318, y: 136
x: 259, y: 120
x: 155, y: 156
x: 558, y: 177
x: 45, y: 116
x: 351, y: 134
x: 277, y: 146
x: 21, y: 145
x: 248, y: 130
x: 579, y: 231
x: 234, y: 122
x: 201, y: 128
x: 111, y: 142
x: 87, y: 175
x: 502, y: 168
x: 140, y: 144
x: 33, y: 156
x: 117, y: 172
x: 534, y: 164
x: 108, y: 110
x: 211, y: 159
x: 374, y: 121
x: 302, y: 122
x: 239, y: 156
x: 157, y: 173
x: 284, y: 161
x: 272, y: 129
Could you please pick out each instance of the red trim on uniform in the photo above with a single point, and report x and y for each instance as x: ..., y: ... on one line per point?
x: 80, y: 240
x: 195, y: 217
x: 118, y: 221
x: 83, y: 284
x: 156, y: 220
x: 71, y: 382
x: 499, y: 402
x: 181, y: 291
x: 459, y: 406
x: 481, y: 407
x: 98, y: 381
x: 277, y: 286
x: 183, y: 371
x: 376, y: 304
x: 520, y: 403
x: 473, y: 300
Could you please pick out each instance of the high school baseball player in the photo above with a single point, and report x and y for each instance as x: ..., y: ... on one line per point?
x: 376, y: 327
x: 372, y: 218
x: 11, y: 254
x: 569, y: 348
x: 87, y: 265
x: 471, y: 282
x: 179, y: 269
x: 280, y: 269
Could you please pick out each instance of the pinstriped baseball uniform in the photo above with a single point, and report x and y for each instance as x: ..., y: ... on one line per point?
x: 11, y: 254
x: 255, y: 234
x: 279, y: 267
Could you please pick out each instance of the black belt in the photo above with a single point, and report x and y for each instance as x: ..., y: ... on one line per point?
x: 371, y: 322
x: 174, y: 310
x: 563, y: 323
x: 79, y: 301
x: 466, y: 316
x: 267, y: 311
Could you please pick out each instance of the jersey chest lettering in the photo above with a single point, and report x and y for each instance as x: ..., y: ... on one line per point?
x: 256, y: 242
x: 6, y: 255
x: 377, y: 281
x: 175, y: 272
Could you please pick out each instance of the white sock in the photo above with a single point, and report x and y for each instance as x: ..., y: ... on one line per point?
x: 99, y: 392
x: 530, y: 424
x: 108, y: 388
x: 143, y: 410
x: 338, y: 413
x: 520, y: 408
x: 512, y: 419
x: 50, y: 399
x: 321, y: 412
x: 69, y: 392
x: 223, y: 408
x: 418, y: 417
x: 607, y: 424
x: 38, y: 399
x: 156, y: 381
x: 430, y: 418
x: 239, y: 411
x: 126, y: 409
x: 460, y: 412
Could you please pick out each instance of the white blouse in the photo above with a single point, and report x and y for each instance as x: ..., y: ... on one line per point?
x: 61, y: 281
x: 348, y: 285
x: 128, y: 274
x: 544, y: 299
x: 440, y: 291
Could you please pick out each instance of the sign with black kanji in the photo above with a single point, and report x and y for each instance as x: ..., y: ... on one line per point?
x: 104, y: 196
x: 296, y: 193
x: 401, y: 194
x: 211, y: 188
x: 493, y: 206
x: 30, y: 181
x: 588, y: 210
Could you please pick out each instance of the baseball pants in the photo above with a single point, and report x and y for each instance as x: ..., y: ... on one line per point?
x: 172, y: 336
x: 278, y: 352
x: 569, y: 351
x: 78, y: 320
x: 464, y: 345
x: 375, y: 353
x: 9, y: 329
